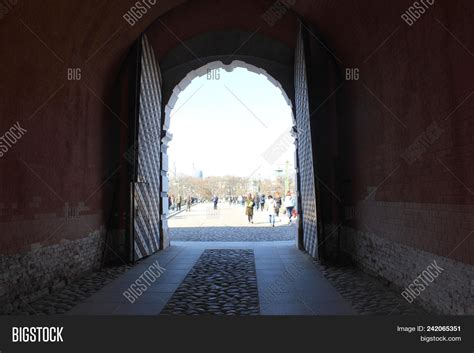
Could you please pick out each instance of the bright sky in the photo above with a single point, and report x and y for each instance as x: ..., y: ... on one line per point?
x: 231, y: 126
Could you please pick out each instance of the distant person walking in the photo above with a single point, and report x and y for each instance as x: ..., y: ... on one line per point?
x: 262, y: 202
x: 189, y: 202
x: 270, y: 207
x: 215, y: 200
x: 180, y: 201
x: 289, y: 205
x: 257, y: 201
x: 249, y: 204
x: 278, y: 203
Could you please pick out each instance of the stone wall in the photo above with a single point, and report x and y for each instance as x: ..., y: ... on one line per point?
x: 451, y: 292
x: 27, y: 276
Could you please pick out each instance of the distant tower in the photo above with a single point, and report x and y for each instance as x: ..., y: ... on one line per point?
x: 198, y: 174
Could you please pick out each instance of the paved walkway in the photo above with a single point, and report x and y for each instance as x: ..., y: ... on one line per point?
x: 276, y: 279
x: 288, y: 282
x: 255, y: 270
x: 227, y: 223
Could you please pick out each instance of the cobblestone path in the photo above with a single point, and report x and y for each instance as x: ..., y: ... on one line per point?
x: 223, y: 282
x: 368, y: 295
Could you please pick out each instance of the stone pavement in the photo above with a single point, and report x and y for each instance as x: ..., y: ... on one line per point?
x: 73, y: 294
x: 288, y: 282
x: 366, y: 294
x: 223, y: 282
x: 238, y: 276
x: 227, y: 223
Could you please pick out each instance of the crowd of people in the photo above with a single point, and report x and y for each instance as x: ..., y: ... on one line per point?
x: 273, y: 205
x: 269, y: 204
x: 176, y: 202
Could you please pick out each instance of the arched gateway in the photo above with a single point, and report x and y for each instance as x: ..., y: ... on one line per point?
x: 147, y: 229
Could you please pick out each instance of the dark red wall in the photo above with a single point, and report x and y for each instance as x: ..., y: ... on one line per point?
x: 217, y: 15
x: 419, y: 73
x: 70, y: 150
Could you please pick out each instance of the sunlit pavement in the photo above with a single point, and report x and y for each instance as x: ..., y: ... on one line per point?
x: 228, y: 223
x: 288, y: 282
x: 226, y: 215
